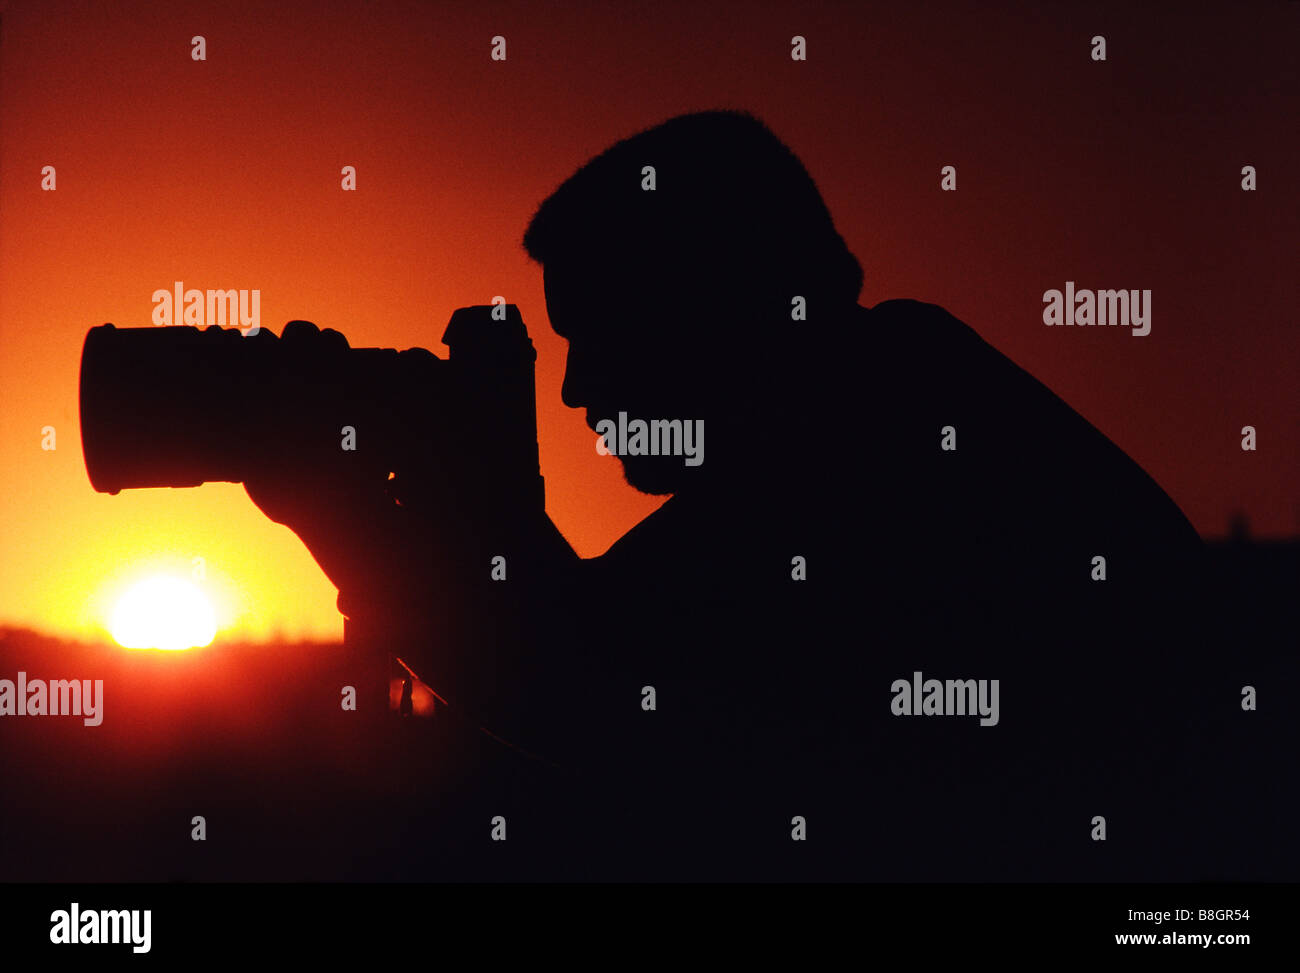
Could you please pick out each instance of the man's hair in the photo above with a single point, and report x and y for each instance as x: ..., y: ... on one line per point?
x: 732, y: 205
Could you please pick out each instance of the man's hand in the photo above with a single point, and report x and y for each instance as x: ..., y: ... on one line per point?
x: 342, y: 508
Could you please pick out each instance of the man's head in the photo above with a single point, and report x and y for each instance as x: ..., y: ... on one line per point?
x: 672, y: 263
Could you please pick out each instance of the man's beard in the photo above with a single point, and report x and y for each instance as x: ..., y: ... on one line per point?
x: 655, y: 475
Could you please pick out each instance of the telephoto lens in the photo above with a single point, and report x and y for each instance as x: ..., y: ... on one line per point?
x: 181, y: 406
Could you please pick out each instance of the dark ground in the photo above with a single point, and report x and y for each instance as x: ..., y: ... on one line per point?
x: 292, y: 787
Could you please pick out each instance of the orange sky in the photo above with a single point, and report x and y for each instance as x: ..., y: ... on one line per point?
x: 225, y: 174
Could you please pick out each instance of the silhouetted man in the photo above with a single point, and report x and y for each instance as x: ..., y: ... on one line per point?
x: 869, y: 636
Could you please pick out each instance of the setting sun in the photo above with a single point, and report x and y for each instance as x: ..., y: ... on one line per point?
x: 163, y: 613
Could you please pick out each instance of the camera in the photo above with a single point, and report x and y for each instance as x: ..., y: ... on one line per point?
x: 182, y: 406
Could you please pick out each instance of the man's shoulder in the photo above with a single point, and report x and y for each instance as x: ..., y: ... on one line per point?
x: 905, y: 308
x: 912, y: 318
x: 1009, y: 425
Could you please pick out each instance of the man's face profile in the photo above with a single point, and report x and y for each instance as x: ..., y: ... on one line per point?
x: 624, y: 357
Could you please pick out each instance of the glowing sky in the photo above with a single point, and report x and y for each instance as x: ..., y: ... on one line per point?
x: 225, y: 174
